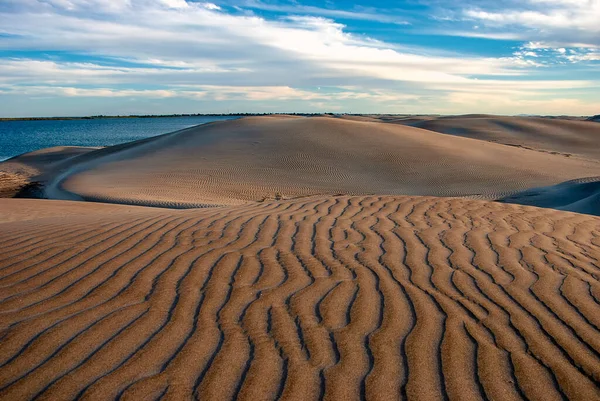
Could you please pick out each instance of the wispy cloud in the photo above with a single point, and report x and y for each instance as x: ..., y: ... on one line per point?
x: 568, y: 22
x: 206, y: 40
x: 177, y: 49
x: 361, y: 14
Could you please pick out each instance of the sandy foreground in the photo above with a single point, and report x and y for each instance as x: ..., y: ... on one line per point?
x: 311, y: 276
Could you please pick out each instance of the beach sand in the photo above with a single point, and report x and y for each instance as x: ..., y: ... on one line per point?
x: 372, y: 294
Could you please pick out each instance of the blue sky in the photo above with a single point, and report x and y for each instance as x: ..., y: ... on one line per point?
x: 84, y: 57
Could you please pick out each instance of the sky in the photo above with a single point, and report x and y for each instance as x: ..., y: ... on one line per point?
x: 121, y: 57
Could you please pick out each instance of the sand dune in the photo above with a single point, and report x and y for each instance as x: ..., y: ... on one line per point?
x: 270, y: 157
x: 11, y: 184
x: 566, y: 137
x: 40, y: 161
x: 18, y: 173
x: 581, y: 196
x: 316, y: 298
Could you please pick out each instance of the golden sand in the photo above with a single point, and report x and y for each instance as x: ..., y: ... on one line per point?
x: 318, y: 297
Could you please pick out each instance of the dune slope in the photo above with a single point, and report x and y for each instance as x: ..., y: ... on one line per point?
x: 36, y: 163
x: 316, y: 298
x: 581, y: 196
x: 20, y: 173
x: 264, y: 158
x: 552, y: 135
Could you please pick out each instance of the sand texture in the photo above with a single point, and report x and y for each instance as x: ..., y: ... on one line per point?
x: 11, y: 184
x: 317, y: 298
x: 259, y: 158
x: 20, y: 174
x: 297, y: 259
x: 39, y: 162
x: 582, y: 196
x: 569, y: 138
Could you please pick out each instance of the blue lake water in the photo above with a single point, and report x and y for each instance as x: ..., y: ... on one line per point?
x: 17, y: 137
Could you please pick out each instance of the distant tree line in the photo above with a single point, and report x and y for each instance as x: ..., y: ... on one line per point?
x: 101, y: 116
x: 98, y: 117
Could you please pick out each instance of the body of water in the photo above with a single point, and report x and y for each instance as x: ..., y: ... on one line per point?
x: 18, y: 137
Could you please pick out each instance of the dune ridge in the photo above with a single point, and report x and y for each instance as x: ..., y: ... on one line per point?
x: 316, y: 298
x: 580, y: 195
x: 254, y: 159
x: 566, y: 137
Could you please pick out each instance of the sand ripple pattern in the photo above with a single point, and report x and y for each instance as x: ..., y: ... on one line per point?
x: 317, y: 298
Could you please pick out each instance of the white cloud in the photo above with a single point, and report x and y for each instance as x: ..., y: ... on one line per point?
x: 198, y: 37
x: 299, y: 9
x: 561, y: 21
x: 550, y: 54
x: 175, y: 3
x: 196, y: 50
x: 578, y: 56
x: 211, y: 6
x: 214, y: 92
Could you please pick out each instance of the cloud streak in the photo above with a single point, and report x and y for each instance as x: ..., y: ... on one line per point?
x: 569, y: 22
x: 166, y: 49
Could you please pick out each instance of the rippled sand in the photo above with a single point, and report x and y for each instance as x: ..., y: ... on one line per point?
x: 317, y: 297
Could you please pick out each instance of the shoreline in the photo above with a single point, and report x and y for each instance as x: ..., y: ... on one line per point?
x: 101, y: 117
x: 108, y: 117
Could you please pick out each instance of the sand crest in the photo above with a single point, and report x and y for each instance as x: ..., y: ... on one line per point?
x: 569, y: 138
x: 581, y: 196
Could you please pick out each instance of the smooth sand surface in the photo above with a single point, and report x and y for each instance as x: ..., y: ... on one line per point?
x: 11, y: 184
x: 336, y: 298
x: 259, y: 158
x: 570, y: 138
x: 16, y: 173
x: 582, y: 196
x: 40, y: 161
